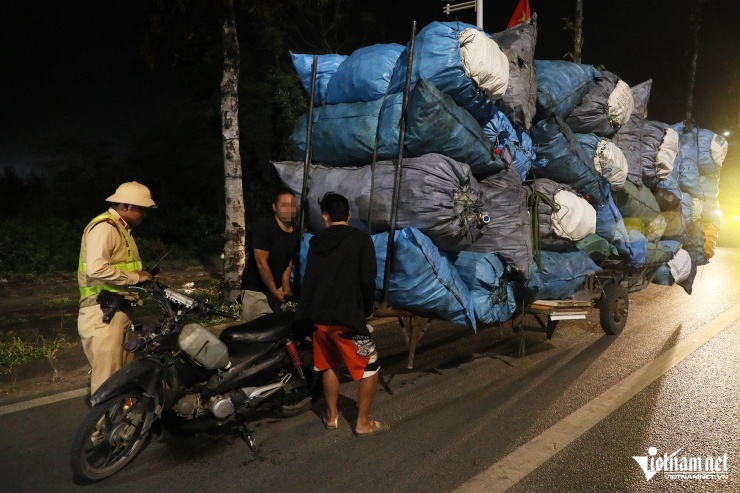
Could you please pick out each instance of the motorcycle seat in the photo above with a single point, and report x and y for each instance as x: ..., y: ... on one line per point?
x: 268, y: 328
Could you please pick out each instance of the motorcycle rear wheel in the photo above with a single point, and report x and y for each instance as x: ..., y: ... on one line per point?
x: 300, y: 400
x: 111, y: 435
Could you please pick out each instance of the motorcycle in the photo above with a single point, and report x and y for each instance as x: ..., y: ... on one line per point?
x: 191, y: 380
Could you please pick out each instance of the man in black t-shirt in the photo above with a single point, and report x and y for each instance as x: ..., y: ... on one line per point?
x: 266, y: 277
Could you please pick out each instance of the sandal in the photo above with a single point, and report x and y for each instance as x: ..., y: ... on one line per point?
x: 378, y: 427
x: 330, y: 426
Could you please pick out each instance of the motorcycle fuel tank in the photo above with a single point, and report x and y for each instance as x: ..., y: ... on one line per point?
x: 203, y: 347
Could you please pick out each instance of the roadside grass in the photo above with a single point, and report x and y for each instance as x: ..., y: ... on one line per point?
x: 21, y: 344
x: 17, y: 348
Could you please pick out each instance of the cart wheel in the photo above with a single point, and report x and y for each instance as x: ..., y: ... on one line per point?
x: 613, y: 308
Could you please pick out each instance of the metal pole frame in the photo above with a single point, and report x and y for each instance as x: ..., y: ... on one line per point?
x: 306, y: 163
x: 397, y: 178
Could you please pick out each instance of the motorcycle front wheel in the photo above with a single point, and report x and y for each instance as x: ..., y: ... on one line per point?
x: 111, y: 435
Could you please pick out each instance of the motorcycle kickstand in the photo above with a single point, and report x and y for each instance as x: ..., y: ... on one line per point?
x: 247, y: 436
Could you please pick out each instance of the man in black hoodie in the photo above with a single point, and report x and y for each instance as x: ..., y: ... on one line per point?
x: 337, y: 297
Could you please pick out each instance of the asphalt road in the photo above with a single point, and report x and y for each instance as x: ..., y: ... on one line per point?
x: 568, y: 416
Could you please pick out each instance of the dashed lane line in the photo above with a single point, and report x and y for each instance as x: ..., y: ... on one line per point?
x: 42, y: 401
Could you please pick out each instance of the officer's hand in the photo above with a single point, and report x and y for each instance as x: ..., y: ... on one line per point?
x: 144, y: 276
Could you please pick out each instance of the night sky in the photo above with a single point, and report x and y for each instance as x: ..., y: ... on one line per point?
x: 72, y: 70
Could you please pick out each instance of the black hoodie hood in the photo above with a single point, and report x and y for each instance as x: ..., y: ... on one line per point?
x: 329, y: 239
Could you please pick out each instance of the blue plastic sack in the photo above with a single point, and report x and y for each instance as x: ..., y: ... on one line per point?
x: 486, y: 277
x: 504, y: 136
x: 567, y: 161
x: 422, y: 279
x: 610, y: 226
x: 364, y: 75
x: 437, y: 59
x: 559, y: 275
x: 688, y: 151
x: 345, y: 134
x: 326, y: 67
x: 436, y: 124
x: 638, y: 248
x: 561, y: 85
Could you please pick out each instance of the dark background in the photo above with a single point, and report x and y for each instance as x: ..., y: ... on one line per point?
x: 73, y: 69
x: 94, y: 92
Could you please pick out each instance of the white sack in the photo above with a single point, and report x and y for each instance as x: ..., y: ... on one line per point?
x: 666, y: 154
x: 680, y: 265
x: 621, y: 104
x: 575, y: 219
x: 484, y: 63
x: 611, y: 163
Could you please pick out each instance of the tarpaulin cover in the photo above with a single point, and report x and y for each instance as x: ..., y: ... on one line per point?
x: 508, y: 232
x: 519, y: 100
x: 608, y: 158
x: 593, y: 114
x: 502, y: 133
x: 688, y: 150
x: 434, y: 123
x: 345, y: 134
x: 561, y: 85
x: 326, y: 67
x: 567, y: 160
x: 437, y: 58
x: 629, y: 136
x: 438, y: 195
x: 486, y: 278
x: 364, y: 75
x: 422, y: 279
x: 559, y: 275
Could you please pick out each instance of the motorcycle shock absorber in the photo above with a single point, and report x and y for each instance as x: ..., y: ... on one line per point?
x: 294, y: 357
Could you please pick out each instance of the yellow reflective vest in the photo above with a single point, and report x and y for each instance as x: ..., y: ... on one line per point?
x: 90, y: 287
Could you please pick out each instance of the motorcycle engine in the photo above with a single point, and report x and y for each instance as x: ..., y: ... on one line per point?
x: 189, y: 406
x: 221, y: 406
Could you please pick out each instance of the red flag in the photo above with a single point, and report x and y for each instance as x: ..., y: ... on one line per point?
x: 521, y: 14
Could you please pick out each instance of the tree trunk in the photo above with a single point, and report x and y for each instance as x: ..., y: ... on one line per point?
x: 578, y: 33
x: 234, y: 232
x: 696, y: 18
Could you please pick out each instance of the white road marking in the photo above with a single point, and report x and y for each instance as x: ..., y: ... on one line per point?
x: 514, y: 467
x: 42, y: 401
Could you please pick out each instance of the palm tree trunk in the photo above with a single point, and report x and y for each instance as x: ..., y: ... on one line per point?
x: 234, y: 233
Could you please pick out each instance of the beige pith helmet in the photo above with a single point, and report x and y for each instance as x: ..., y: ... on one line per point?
x: 133, y: 193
